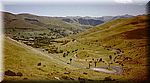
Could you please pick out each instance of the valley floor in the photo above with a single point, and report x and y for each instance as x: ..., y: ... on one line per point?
x: 19, y: 63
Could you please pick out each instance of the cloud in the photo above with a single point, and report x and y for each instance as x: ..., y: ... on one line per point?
x: 123, y: 1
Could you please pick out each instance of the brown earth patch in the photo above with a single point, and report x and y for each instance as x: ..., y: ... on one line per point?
x: 140, y: 33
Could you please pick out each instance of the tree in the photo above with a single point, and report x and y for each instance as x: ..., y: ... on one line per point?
x: 95, y: 63
x: 70, y: 60
x: 85, y: 59
x: 100, y: 59
x: 110, y: 57
x: 90, y: 63
x: 110, y: 62
x: 109, y: 65
x: 64, y: 55
x: 115, y: 59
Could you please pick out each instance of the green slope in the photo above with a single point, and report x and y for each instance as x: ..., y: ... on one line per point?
x: 124, y: 39
x: 18, y: 58
x: 21, y: 58
x: 28, y: 25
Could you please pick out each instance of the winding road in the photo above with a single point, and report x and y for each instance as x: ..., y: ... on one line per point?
x: 114, y: 69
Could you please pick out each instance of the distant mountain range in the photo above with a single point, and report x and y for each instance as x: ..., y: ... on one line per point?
x: 57, y: 26
x: 92, y: 20
x: 71, y: 19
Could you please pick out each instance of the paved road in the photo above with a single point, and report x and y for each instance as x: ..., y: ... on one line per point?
x: 115, y: 69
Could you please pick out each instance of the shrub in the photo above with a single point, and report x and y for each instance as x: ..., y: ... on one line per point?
x: 10, y: 73
x: 108, y: 78
x: 19, y: 74
x: 39, y: 64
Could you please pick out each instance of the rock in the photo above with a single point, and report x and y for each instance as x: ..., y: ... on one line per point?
x: 57, y: 78
x: 10, y: 73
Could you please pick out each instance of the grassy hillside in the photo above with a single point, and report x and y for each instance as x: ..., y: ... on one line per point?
x: 35, y: 22
x: 28, y: 25
x: 123, y: 39
x: 119, y: 45
x: 19, y: 58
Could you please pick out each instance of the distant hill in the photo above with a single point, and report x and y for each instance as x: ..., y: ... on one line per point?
x: 51, y: 26
x: 122, y: 16
x: 92, y: 20
x: 29, y: 19
x: 83, y: 21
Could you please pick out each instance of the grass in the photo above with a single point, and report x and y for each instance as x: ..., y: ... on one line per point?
x: 25, y: 61
x: 99, y: 42
x: 21, y: 59
x: 110, y: 69
x: 120, y: 34
x: 25, y: 24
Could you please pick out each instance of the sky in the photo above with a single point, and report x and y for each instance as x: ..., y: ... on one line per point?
x: 95, y: 8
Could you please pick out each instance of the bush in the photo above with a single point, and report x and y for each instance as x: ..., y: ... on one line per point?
x: 108, y: 78
x: 10, y: 73
x: 39, y: 64
x: 19, y: 74
x: 59, y: 51
x: 64, y: 55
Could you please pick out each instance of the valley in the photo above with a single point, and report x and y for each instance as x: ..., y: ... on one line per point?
x: 58, y: 48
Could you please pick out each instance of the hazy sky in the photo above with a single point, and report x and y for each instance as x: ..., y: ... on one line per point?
x: 77, y: 7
